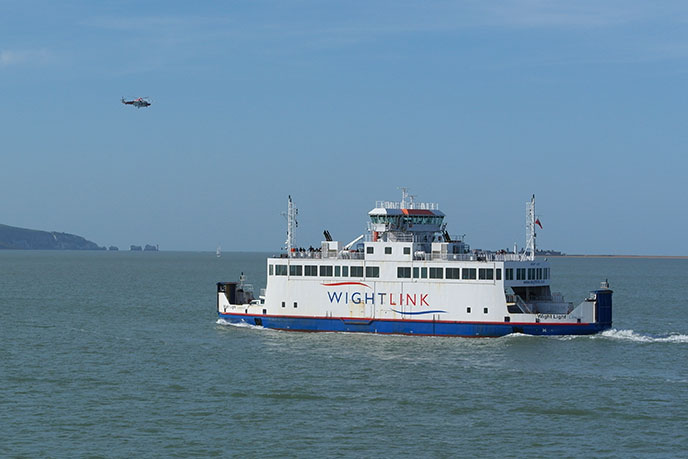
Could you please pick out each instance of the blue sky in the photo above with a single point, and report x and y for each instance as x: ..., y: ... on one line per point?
x: 475, y: 105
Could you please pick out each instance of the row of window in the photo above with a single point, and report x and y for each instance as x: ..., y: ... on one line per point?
x: 324, y: 270
x: 414, y: 219
x: 527, y: 273
x: 403, y: 272
x: 468, y: 310
x: 388, y: 250
x: 406, y: 272
x: 450, y: 273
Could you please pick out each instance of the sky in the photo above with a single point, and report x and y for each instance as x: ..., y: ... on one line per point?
x: 475, y: 105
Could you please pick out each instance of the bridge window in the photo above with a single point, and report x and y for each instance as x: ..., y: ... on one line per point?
x: 388, y: 251
x: 270, y: 269
x: 452, y: 273
x: 423, y: 273
x: 436, y: 273
x: 295, y: 270
x: 499, y: 273
x: 372, y: 271
x: 509, y: 273
x: 416, y: 272
x: 520, y: 273
x: 345, y: 271
x: 357, y: 271
x: 468, y: 274
x: 311, y: 270
x: 280, y: 270
x: 403, y: 272
x: 370, y: 249
x: 325, y: 271
x: 337, y: 271
x: 485, y: 274
x: 531, y: 273
x: 407, y: 250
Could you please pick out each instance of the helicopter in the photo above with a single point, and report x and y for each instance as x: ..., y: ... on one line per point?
x: 138, y: 103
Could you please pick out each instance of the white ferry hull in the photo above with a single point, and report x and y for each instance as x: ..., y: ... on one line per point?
x: 532, y: 324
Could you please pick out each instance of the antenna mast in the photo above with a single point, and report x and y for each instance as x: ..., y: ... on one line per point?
x: 404, y: 197
x: 292, y: 224
x: 529, y: 251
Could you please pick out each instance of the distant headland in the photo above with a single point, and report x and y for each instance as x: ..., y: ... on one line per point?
x: 13, y: 238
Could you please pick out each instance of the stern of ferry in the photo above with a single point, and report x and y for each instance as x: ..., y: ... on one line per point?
x: 603, y: 306
x: 236, y: 304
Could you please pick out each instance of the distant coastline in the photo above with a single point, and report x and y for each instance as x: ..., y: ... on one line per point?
x: 15, y: 238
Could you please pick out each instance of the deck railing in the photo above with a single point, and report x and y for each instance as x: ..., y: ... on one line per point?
x: 306, y: 254
x: 466, y: 256
x: 414, y: 205
x: 553, y: 298
x: 318, y: 255
x: 427, y: 256
x: 418, y: 256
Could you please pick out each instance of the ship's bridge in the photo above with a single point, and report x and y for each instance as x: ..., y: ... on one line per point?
x: 415, y: 218
x: 419, y: 223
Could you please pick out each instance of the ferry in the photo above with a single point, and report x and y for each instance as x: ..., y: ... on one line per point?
x: 408, y: 276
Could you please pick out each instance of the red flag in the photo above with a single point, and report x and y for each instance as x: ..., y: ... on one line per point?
x: 537, y: 222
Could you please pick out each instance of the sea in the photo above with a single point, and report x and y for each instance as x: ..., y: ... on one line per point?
x: 121, y: 354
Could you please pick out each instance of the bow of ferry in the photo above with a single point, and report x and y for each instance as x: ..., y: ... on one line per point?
x: 408, y: 276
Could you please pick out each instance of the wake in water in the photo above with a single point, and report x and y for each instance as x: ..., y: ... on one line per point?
x: 620, y: 335
x: 240, y: 324
x: 630, y: 335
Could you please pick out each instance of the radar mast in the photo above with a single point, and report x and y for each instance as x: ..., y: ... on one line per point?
x: 292, y: 224
x: 529, y: 251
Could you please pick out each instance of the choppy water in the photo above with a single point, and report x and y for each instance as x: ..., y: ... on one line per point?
x: 121, y: 355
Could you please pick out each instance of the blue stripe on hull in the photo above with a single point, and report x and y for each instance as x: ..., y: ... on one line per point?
x: 411, y: 327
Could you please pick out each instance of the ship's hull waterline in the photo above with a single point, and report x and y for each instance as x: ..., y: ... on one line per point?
x: 411, y: 327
